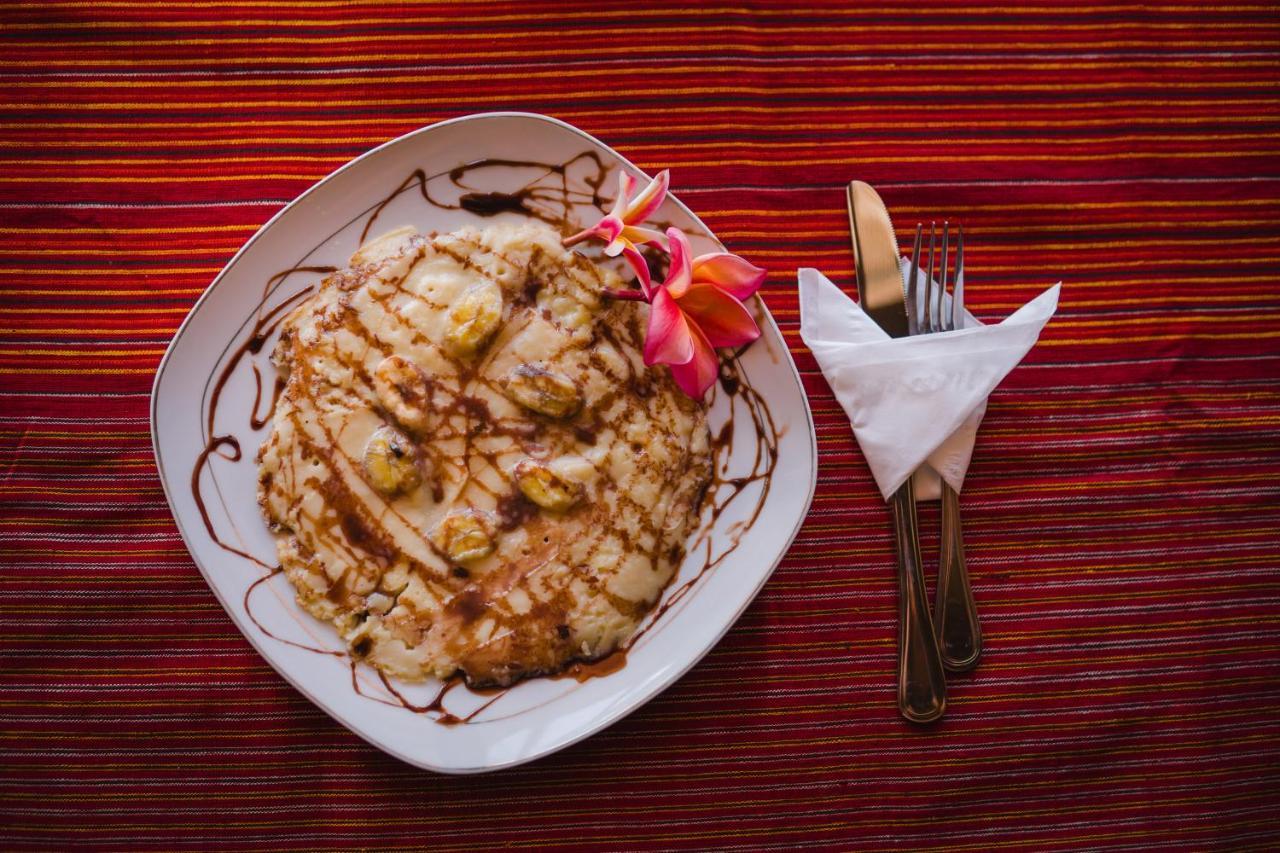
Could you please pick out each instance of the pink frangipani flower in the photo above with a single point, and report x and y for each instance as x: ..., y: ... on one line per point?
x: 697, y: 309
x: 620, y: 228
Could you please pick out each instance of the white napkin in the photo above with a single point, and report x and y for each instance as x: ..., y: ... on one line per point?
x: 914, y: 403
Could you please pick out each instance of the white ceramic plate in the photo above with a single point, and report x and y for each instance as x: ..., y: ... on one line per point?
x: 322, y: 227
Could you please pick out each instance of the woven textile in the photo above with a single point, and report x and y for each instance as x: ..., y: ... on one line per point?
x: 1121, y: 510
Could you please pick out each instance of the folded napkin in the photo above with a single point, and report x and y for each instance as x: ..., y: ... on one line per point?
x: 914, y: 403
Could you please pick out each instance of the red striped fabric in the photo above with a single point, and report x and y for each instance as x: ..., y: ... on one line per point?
x: 1121, y: 510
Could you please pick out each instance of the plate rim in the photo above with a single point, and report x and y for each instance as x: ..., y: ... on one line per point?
x: 606, y: 720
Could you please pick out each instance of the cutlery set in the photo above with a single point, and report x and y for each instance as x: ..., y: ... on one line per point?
x: 949, y: 638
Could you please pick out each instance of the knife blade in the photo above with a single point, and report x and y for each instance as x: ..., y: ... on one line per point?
x: 922, y: 684
x: 875, y: 259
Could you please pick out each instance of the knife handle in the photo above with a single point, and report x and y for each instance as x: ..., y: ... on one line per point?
x: 922, y: 684
x: 959, y: 634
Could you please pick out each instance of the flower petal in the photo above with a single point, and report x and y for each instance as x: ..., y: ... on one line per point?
x: 669, y: 339
x: 725, y: 321
x: 626, y: 186
x: 641, y: 268
x: 608, y: 229
x: 679, y: 275
x: 646, y: 236
x: 730, y: 273
x: 649, y: 200
x: 699, y: 373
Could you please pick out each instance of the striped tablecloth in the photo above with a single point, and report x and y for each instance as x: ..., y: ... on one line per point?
x: 1122, y: 508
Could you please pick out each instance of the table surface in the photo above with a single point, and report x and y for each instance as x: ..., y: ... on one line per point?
x: 1122, y: 508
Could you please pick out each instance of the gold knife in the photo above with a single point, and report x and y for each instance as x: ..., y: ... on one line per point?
x: 922, y: 684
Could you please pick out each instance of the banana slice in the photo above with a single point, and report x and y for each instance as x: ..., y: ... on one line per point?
x: 464, y: 536
x: 404, y: 392
x: 542, y: 391
x: 385, y: 246
x: 473, y: 319
x: 391, y: 462
x: 545, y: 487
x: 379, y: 603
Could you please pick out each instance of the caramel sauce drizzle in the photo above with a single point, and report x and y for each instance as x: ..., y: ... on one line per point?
x: 549, y: 197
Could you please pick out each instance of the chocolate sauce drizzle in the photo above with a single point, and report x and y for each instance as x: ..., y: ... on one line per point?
x: 228, y: 446
x: 549, y: 197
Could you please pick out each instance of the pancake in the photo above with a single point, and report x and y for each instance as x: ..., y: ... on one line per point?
x: 470, y: 469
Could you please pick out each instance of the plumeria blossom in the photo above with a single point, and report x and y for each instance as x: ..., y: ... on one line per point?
x: 621, y: 229
x: 697, y: 309
x: 699, y: 306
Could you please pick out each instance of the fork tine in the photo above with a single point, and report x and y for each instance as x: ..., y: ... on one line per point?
x: 957, y: 294
x: 940, y: 321
x: 927, y: 325
x: 913, y: 306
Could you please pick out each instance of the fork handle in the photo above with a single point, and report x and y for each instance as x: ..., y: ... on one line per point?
x: 922, y: 685
x: 959, y: 635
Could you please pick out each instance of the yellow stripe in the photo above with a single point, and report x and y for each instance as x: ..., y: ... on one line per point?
x: 687, y: 90
x: 672, y: 32
x: 73, y: 291
x: 1137, y: 204
x: 905, y: 140
x: 667, y: 127
x: 1076, y: 266
x: 70, y: 310
x: 80, y: 330
x: 180, y: 552
x: 1186, y: 138
x: 629, y: 14
x: 1049, y: 341
x: 597, y: 14
x: 78, y: 371
x: 974, y: 231
x: 95, y: 230
x: 135, y: 273
x: 6, y: 352
x: 995, y: 249
x: 1113, y: 322
x: 817, y: 213
x: 386, y: 77
x: 122, y: 252
x: 332, y: 141
x: 164, y: 523
x: 62, y: 433
x: 64, y: 179
x: 972, y: 158
x: 658, y: 47
x: 877, y: 109
x: 812, y: 161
